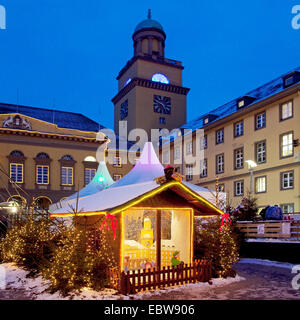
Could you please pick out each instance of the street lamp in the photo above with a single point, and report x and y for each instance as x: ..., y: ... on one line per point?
x: 251, y: 165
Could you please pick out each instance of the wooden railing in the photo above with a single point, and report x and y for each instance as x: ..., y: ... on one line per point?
x: 139, y: 280
x: 270, y: 229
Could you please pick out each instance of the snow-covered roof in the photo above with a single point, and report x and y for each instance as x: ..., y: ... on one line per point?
x: 139, y: 181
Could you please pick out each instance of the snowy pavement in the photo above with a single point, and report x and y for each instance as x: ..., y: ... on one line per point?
x: 256, y: 280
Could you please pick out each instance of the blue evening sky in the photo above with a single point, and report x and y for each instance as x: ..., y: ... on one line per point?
x: 66, y: 54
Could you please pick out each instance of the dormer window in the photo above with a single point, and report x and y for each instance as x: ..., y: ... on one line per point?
x: 244, y: 101
x: 291, y: 79
x: 209, y: 118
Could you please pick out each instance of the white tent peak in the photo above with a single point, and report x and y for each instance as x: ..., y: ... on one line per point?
x: 146, y: 169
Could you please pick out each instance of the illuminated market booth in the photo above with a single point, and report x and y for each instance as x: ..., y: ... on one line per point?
x: 149, y: 212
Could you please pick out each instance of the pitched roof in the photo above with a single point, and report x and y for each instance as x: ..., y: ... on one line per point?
x: 63, y: 119
x: 263, y: 92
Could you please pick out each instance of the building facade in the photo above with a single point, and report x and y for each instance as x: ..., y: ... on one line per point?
x: 250, y: 145
x: 47, y: 155
x: 150, y: 90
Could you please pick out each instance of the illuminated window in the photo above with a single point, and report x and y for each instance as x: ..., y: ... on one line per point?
x: 239, y: 188
x: 260, y: 184
x: 89, y: 174
x: 189, y: 172
x: 239, y: 158
x: 287, y: 208
x: 90, y: 159
x: 260, y: 121
x: 16, y: 172
x: 286, y: 110
x: 67, y: 176
x: 260, y: 150
x: 220, y: 163
x: 287, y: 180
x: 42, y: 174
x: 220, y: 136
x: 239, y: 128
x: 203, y: 168
x: 286, y: 141
x: 203, y: 142
x: 159, y: 77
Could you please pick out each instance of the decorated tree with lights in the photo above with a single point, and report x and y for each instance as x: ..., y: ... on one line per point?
x: 28, y: 243
x: 216, y: 241
x: 78, y: 261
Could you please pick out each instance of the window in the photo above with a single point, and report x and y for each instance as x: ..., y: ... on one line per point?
x: 203, y: 142
x: 16, y: 172
x: 162, y: 120
x: 117, y: 177
x: 221, y: 187
x: 239, y: 188
x: 42, y: 174
x: 239, y: 129
x: 203, y: 168
x: 287, y: 180
x: 177, y: 153
x: 260, y: 184
x: 239, y: 158
x: 287, y: 208
x: 67, y: 157
x: 189, y: 148
x: 260, y: 152
x: 220, y: 136
x: 189, y: 172
x: 117, y: 162
x: 286, y: 110
x: 89, y: 174
x: 286, y: 145
x: 220, y: 163
x: 90, y: 159
x: 241, y: 103
x: 260, y: 121
x: 67, y: 176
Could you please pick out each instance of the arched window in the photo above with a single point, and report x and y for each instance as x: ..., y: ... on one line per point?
x: 42, y: 155
x: 42, y: 203
x: 159, y: 77
x: 42, y: 172
x: 67, y: 172
x: 16, y: 166
x: 90, y: 159
x: 17, y: 154
x: 21, y: 201
x: 67, y: 157
x: 90, y: 167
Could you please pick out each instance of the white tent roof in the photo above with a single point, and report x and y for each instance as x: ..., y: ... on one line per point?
x: 137, y: 182
x: 101, y: 180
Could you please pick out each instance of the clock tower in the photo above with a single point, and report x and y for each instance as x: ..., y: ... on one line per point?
x: 150, y: 92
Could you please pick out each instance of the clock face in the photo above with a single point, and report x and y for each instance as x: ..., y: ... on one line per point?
x: 124, y: 110
x: 162, y: 104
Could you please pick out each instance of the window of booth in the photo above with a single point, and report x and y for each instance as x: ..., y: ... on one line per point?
x: 140, y: 238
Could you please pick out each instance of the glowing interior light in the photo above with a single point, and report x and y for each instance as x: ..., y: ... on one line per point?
x: 158, y: 77
x: 101, y: 179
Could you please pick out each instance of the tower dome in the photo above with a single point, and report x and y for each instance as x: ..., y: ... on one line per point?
x: 149, y: 24
x: 149, y: 38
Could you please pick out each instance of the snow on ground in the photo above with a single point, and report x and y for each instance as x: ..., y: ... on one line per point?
x: 36, y: 288
x: 268, y: 263
x: 191, y: 287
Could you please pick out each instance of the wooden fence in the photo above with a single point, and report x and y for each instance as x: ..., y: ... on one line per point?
x: 270, y: 229
x: 139, y: 280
